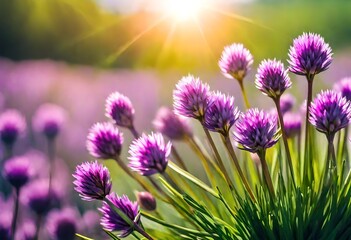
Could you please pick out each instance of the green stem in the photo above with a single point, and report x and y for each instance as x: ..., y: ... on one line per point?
x: 241, y: 84
x: 331, y: 153
x: 285, y: 139
x: 232, y: 154
x: 219, y: 159
x: 15, y: 214
x: 178, y: 158
x: 267, y: 176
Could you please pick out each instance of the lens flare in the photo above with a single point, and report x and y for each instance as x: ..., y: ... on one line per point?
x: 183, y: 10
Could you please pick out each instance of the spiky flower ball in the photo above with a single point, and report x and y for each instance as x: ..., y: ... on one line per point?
x: 48, y: 120
x: 63, y: 224
x: 235, y: 61
x: 190, y: 98
x: 256, y: 130
x: 292, y: 124
x: 110, y: 219
x: 92, y: 181
x: 272, y: 79
x: 12, y: 125
x: 119, y: 108
x: 344, y: 87
x: 309, y: 55
x: 104, y: 141
x: 221, y: 113
x: 149, y: 154
x: 17, y: 171
x: 171, y: 125
x: 330, y: 112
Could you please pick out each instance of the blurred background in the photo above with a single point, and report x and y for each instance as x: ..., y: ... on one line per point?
x: 74, y: 53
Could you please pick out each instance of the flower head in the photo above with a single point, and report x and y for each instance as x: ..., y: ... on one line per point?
x: 104, y: 141
x: 37, y: 196
x: 190, y: 98
x: 221, y: 113
x: 49, y: 119
x: 309, y: 55
x: 146, y: 201
x: 148, y: 154
x: 272, y: 79
x: 235, y: 61
x: 292, y: 124
x: 63, y: 224
x: 330, y: 112
x: 12, y: 125
x: 17, y: 171
x: 27, y: 230
x: 287, y: 102
x: 256, y: 130
x: 5, y: 225
x: 92, y: 181
x: 344, y: 87
x: 120, y: 109
x: 171, y: 125
x: 112, y: 221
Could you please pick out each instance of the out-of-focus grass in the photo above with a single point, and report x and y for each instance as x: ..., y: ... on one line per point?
x: 78, y: 31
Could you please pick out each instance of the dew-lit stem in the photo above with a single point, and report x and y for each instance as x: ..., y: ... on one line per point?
x: 230, y: 149
x: 242, y: 88
x: 266, y: 175
x: 308, y: 171
x: 285, y: 139
x: 219, y: 159
x: 15, y: 214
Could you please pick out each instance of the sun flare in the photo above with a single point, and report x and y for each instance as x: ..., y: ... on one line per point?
x: 183, y: 10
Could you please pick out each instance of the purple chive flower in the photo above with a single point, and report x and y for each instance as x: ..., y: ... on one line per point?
x: 5, y: 225
x: 49, y: 119
x: 309, y: 55
x: 120, y: 109
x: 256, y: 131
x: 63, y: 224
x: 104, y: 141
x: 146, y: 201
x: 330, y: 112
x: 148, y: 154
x: 36, y: 196
x: 344, y: 87
x: 17, y: 171
x: 272, y: 79
x: 190, y: 98
x: 110, y: 219
x: 235, y: 61
x: 12, y: 125
x: 26, y: 231
x: 292, y: 124
x: 287, y: 102
x: 92, y: 181
x: 171, y: 125
x: 221, y: 113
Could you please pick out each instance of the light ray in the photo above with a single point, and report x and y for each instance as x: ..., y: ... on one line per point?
x: 166, y: 45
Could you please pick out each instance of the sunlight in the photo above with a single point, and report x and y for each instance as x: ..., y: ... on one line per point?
x: 183, y: 10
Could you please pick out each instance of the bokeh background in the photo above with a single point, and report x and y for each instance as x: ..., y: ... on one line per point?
x: 76, y: 52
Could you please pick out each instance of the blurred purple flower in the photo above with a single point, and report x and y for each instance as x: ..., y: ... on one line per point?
x: 330, y: 112
x: 287, y: 102
x: 104, y: 141
x: 5, y: 225
x: 272, y: 79
x: 91, y: 223
x: 235, y: 61
x: 344, y: 87
x: 48, y: 120
x: 190, y: 98
x: 92, y: 181
x: 148, y: 154
x: 17, y: 171
x: 36, y: 196
x: 110, y: 219
x: 292, y: 124
x: 146, y: 201
x: 26, y: 231
x: 309, y: 55
x: 256, y: 131
x: 63, y: 224
x: 120, y: 109
x: 221, y: 113
x: 12, y: 125
x: 171, y: 125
